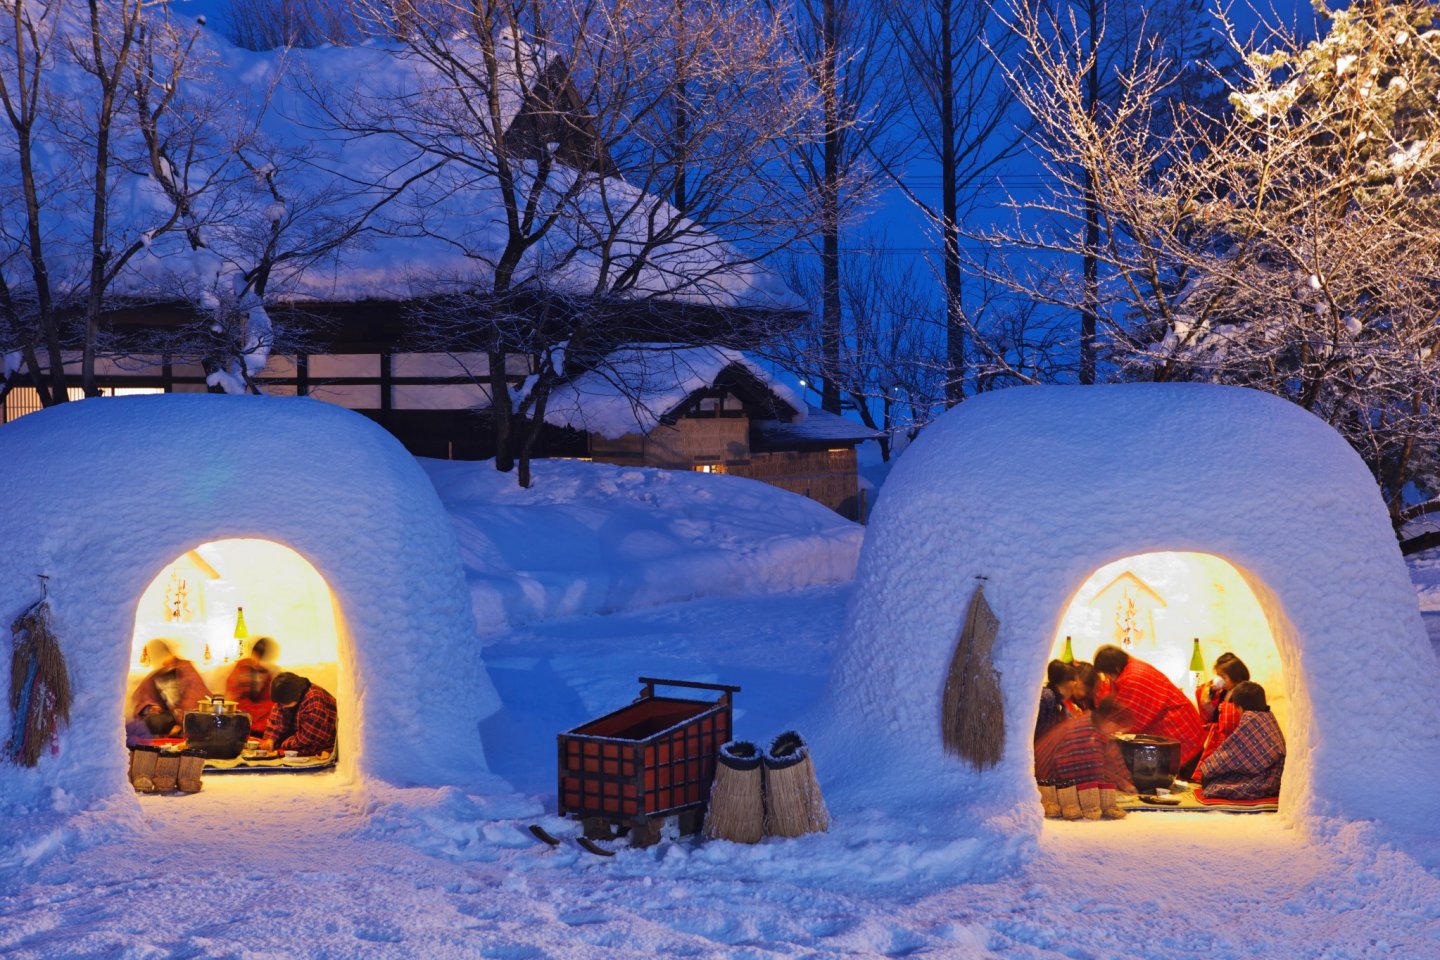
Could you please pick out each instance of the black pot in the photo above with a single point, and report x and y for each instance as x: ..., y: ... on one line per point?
x: 1153, y: 761
x: 219, y: 736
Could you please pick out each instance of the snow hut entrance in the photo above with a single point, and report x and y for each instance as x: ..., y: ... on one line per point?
x: 241, y: 611
x: 1162, y: 607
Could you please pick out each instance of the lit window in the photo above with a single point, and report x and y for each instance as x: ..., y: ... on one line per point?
x: 709, y: 468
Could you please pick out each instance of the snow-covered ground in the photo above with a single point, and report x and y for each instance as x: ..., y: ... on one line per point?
x: 315, y: 866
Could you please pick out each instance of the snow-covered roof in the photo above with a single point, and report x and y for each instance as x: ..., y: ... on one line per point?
x: 101, y: 495
x: 442, y: 235
x: 638, y: 385
x: 1037, y: 488
x: 817, y: 426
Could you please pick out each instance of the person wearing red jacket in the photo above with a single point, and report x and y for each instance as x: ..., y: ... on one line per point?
x: 1248, y: 765
x: 304, y: 718
x: 166, y: 693
x: 1155, y: 705
x: 249, y: 684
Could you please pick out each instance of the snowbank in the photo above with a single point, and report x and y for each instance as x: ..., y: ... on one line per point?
x: 102, y: 494
x: 594, y: 538
x: 1036, y: 488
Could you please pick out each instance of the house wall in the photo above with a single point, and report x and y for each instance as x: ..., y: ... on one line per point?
x: 827, y: 476
x: 691, y: 442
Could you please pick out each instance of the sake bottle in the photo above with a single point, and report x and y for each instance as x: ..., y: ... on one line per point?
x: 1068, y: 654
x: 1197, y: 666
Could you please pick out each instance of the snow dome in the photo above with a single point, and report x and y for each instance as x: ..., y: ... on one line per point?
x: 1166, y: 512
x: 312, y: 509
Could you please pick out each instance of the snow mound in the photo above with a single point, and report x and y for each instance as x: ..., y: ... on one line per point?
x: 1037, y: 488
x: 102, y: 494
x: 593, y: 538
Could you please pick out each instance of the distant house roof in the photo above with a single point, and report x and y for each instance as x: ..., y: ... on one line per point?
x: 441, y: 234
x: 638, y: 386
x: 818, y: 426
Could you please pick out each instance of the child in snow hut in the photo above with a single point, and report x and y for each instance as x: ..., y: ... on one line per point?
x: 1216, y: 711
x: 1248, y: 764
x: 1054, y: 697
x: 249, y: 683
x: 1229, y: 670
x: 1079, y: 768
x: 1156, y: 706
x: 162, y: 698
x: 304, y: 718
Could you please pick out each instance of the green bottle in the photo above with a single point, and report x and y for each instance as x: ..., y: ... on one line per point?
x: 1068, y: 655
x: 1197, y: 662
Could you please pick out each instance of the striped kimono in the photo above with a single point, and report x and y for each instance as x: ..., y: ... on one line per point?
x: 1248, y: 764
x: 1073, y: 753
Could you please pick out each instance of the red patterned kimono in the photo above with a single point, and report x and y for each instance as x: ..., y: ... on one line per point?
x: 1159, y: 707
x: 1227, y: 718
x: 1074, y: 753
x: 1248, y: 765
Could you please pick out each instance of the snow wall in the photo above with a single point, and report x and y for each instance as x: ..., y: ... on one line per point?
x: 1036, y: 488
x: 102, y: 494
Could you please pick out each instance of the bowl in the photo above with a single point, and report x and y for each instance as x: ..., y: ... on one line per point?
x: 1153, y: 761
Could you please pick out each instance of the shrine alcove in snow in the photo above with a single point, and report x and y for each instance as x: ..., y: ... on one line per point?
x: 1051, y: 494
x: 103, y: 495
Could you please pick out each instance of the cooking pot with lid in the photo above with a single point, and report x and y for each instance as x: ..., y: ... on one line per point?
x: 217, y: 728
x: 1153, y: 761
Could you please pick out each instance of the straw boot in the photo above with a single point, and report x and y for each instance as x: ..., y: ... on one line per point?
x: 166, y: 769
x: 1069, y: 802
x: 1109, y: 804
x: 192, y: 766
x: 1090, y: 803
x: 1050, y: 800
x: 142, y: 768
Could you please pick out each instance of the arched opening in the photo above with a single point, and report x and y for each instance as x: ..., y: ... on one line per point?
x: 212, y: 605
x: 1177, y: 611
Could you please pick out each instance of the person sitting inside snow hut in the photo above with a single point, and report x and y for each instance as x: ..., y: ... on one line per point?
x: 304, y: 717
x: 1248, y: 764
x: 249, y: 683
x: 158, y: 705
x: 1055, y: 704
x: 1219, y: 715
x: 1079, y: 768
x: 1156, y: 706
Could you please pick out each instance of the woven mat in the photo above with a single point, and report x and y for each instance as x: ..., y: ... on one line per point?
x: 1191, y: 802
x: 276, y: 765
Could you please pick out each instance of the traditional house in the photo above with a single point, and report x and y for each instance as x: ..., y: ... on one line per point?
x: 343, y: 327
x: 711, y: 410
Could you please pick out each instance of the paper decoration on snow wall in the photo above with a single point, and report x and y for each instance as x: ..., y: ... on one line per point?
x: 972, y: 713
x: 39, y: 685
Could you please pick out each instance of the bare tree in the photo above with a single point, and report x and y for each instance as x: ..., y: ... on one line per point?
x: 566, y: 115
x: 1289, y: 241
x: 962, y: 113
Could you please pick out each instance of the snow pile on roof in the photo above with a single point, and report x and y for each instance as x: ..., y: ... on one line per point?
x: 442, y: 234
x: 638, y: 385
x: 594, y: 538
x: 102, y: 494
x: 1038, y: 487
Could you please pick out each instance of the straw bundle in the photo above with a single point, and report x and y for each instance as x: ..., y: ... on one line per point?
x: 737, y: 806
x: 793, y: 805
x: 39, y: 686
x: 972, y: 714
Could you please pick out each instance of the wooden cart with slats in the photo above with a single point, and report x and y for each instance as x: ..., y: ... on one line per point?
x: 627, y: 771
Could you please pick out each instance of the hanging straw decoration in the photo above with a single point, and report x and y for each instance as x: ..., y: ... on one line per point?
x: 39, y: 684
x: 737, y: 806
x: 972, y: 711
x: 793, y: 805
